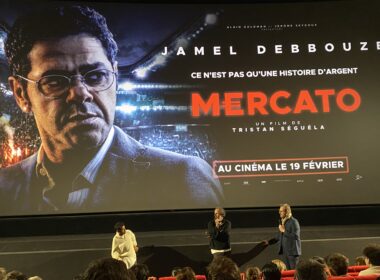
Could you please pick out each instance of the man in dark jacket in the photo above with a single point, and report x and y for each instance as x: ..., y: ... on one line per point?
x: 218, y: 231
x: 289, y: 238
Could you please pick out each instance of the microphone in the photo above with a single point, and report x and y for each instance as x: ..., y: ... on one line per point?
x: 281, y: 226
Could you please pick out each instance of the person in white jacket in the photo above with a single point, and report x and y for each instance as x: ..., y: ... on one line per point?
x: 372, y: 259
x: 124, y: 245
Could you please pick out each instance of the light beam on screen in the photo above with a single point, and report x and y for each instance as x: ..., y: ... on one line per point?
x: 211, y: 19
x: 158, y: 60
x: 130, y: 86
x: 182, y: 42
x: 1, y: 46
x: 126, y: 108
x: 4, y: 90
x: 145, y: 108
x: 2, y: 39
x: 127, y: 86
x: 141, y: 72
x: 182, y: 39
x: 130, y: 109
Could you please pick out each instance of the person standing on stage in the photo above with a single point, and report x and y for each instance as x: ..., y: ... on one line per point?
x: 124, y: 245
x: 218, y: 231
x: 289, y: 238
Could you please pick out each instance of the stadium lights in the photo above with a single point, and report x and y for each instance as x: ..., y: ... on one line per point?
x: 158, y: 60
x: 4, y: 90
x: 2, y: 39
x: 145, y: 108
x: 141, y: 72
x: 183, y: 41
x: 211, y: 19
x: 129, y: 86
x: 1, y: 46
x: 130, y: 109
x: 126, y: 108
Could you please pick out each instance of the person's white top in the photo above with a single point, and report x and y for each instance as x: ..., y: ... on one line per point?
x: 372, y: 270
x: 131, y: 236
x: 214, y: 251
x: 123, y: 248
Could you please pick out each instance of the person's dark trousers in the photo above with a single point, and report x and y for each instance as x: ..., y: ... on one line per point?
x: 291, y: 261
x: 225, y: 254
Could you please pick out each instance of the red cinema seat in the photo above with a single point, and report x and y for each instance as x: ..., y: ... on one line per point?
x: 367, y: 277
x: 198, y: 277
x: 357, y: 268
x: 287, y: 273
x: 341, y: 278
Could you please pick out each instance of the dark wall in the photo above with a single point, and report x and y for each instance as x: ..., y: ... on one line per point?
x: 182, y: 220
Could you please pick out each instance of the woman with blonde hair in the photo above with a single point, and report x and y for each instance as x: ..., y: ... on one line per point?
x: 253, y: 273
x: 280, y: 264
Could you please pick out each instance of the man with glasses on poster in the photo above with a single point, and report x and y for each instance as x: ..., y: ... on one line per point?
x: 64, y: 71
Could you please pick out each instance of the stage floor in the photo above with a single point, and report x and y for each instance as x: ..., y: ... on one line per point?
x: 64, y: 256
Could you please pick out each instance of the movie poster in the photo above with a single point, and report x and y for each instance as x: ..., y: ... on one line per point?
x: 279, y: 99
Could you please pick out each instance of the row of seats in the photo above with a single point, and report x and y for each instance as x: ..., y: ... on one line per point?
x: 203, y: 277
x: 353, y: 272
x: 198, y: 277
x: 367, y: 277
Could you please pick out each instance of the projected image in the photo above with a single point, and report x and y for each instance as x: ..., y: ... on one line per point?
x: 67, y: 78
x: 215, y: 105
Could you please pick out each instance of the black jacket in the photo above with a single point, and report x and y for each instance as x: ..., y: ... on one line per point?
x: 219, y: 238
x: 290, y: 240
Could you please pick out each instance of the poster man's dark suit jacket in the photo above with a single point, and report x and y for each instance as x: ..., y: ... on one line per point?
x: 131, y: 177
